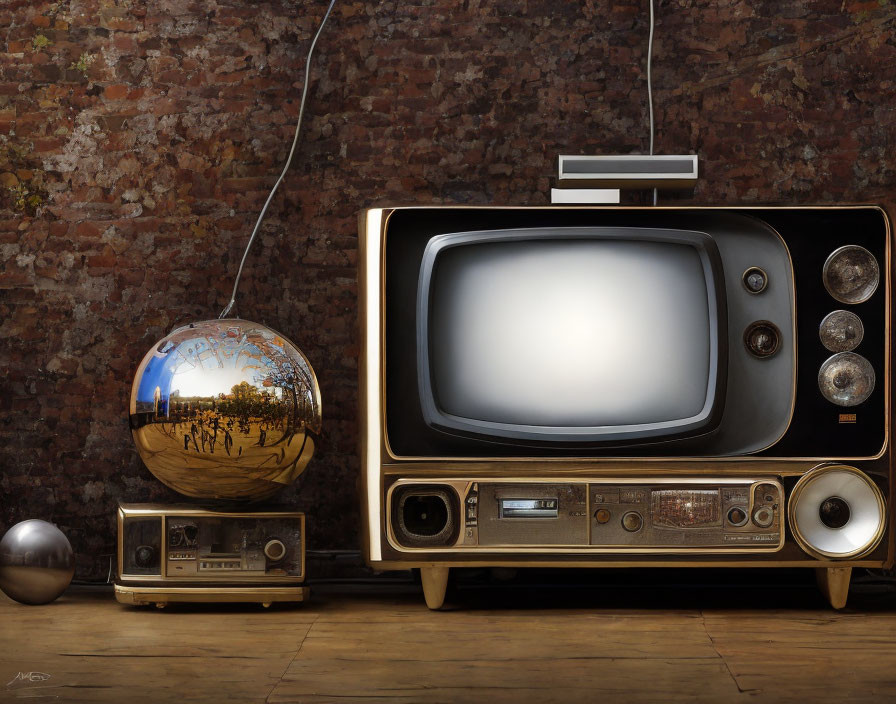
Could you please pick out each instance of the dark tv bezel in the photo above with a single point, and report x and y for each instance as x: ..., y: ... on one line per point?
x: 705, y: 421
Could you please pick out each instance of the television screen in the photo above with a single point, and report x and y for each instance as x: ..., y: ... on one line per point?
x: 587, y: 333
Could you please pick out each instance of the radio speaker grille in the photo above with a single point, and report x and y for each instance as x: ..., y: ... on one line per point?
x: 425, y: 516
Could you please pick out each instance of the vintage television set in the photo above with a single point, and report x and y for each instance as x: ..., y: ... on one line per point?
x: 626, y: 386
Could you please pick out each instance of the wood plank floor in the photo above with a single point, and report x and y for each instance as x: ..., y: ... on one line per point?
x: 368, y: 647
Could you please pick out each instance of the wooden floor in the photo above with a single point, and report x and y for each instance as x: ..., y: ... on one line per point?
x: 493, y: 646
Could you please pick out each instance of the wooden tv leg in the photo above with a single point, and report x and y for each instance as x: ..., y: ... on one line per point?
x: 834, y: 584
x: 435, y: 582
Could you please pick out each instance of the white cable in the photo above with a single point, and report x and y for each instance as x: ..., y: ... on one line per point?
x: 295, y: 141
x: 649, y: 84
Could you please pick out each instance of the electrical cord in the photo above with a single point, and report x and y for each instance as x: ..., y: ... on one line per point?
x: 295, y: 141
x: 650, y: 85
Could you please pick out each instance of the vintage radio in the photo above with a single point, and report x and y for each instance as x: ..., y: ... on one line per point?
x: 626, y: 386
x: 182, y: 553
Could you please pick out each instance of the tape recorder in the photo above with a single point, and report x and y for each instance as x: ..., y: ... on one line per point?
x: 182, y: 553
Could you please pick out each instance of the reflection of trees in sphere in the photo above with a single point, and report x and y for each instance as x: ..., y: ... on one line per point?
x: 36, y: 562
x: 225, y: 409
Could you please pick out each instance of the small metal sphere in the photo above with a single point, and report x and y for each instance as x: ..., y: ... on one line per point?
x: 225, y: 409
x: 36, y: 562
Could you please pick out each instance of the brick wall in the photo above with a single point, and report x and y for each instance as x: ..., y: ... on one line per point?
x: 138, y: 142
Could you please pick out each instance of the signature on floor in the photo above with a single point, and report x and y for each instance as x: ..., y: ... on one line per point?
x: 24, y: 679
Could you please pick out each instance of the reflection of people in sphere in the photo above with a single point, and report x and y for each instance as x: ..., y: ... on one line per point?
x: 186, y: 441
x: 261, y: 437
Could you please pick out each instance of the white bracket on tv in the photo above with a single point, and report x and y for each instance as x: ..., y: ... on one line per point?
x: 601, y: 196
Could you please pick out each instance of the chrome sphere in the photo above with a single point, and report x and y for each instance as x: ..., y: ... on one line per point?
x: 225, y: 409
x: 36, y: 562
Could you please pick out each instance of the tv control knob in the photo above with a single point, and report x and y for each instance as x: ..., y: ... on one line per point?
x: 763, y: 516
x: 144, y: 556
x: 851, y: 274
x: 762, y: 339
x: 632, y: 521
x: 755, y: 280
x: 841, y: 331
x: 846, y: 379
x: 602, y: 515
x: 274, y: 550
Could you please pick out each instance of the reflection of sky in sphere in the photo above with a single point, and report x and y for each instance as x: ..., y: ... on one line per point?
x: 195, y: 382
x: 203, y: 367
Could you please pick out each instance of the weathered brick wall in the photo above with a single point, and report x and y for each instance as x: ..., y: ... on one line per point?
x: 138, y: 141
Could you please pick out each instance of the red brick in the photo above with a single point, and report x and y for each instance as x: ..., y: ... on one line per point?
x: 116, y: 92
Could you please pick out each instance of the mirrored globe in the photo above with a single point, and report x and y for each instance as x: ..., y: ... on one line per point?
x: 225, y: 409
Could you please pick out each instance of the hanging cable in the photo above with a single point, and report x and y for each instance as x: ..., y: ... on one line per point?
x: 295, y: 141
x: 649, y: 83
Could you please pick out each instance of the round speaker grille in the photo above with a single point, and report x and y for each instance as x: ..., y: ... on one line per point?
x: 425, y: 515
x: 837, y: 512
x: 846, y: 379
x: 841, y: 331
x: 851, y: 274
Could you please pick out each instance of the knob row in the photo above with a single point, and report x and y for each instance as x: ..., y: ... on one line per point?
x: 851, y: 275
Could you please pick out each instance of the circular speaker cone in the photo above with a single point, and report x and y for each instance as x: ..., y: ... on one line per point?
x: 851, y: 274
x: 762, y: 339
x: 837, y: 512
x: 846, y: 379
x: 841, y: 331
x: 834, y: 512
